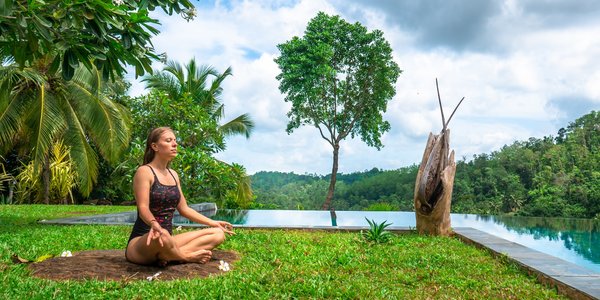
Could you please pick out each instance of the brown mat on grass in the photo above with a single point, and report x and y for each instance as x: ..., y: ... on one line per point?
x: 111, y: 265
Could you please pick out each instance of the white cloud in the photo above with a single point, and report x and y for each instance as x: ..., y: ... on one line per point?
x: 513, y: 72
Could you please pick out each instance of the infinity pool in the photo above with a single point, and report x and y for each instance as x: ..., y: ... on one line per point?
x: 574, y: 240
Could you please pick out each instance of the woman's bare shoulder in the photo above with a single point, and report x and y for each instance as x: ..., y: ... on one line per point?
x: 144, y: 172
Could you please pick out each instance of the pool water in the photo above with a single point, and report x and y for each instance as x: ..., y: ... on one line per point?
x: 574, y: 240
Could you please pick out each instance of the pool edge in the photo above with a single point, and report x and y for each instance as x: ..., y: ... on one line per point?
x: 571, y: 280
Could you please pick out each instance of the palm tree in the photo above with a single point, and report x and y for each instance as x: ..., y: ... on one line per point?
x: 192, y: 81
x: 38, y: 107
x: 202, y: 84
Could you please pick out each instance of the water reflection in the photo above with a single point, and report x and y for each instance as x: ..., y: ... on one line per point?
x: 579, y: 235
x: 574, y: 240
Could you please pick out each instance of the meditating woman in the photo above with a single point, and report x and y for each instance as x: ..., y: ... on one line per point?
x: 157, y: 191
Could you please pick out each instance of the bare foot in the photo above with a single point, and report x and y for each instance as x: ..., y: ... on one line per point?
x: 200, y: 256
x: 162, y: 263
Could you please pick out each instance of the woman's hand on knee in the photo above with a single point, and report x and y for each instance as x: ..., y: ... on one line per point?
x: 155, y: 233
x: 225, y: 226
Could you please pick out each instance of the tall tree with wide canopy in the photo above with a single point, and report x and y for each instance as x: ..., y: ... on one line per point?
x: 339, y: 78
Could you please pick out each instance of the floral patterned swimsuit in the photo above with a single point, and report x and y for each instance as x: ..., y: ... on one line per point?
x: 163, y: 202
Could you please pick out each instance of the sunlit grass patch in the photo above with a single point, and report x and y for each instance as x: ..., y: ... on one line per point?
x: 273, y: 264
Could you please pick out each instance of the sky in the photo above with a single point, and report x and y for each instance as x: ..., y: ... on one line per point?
x: 526, y: 68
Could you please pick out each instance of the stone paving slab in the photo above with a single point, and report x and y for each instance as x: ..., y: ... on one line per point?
x: 570, y: 279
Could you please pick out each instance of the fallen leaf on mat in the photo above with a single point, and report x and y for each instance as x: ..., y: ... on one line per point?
x: 44, y: 257
x: 19, y: 260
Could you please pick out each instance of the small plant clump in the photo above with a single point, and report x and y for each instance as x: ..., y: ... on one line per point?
x: 377, y: 232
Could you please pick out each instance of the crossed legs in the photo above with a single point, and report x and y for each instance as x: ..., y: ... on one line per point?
x: 193, y: 246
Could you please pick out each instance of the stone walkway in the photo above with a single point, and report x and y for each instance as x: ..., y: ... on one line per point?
x: 571, y: 280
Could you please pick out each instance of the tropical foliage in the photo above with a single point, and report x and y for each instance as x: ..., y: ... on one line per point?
x: 100, y: 34
x: 57, y: 57
x: 63, y: 173
x: 338, y: 78
x: 538, y: 177
x: 201, y: 87
x: 369, y: 190
x: 186, y: 98
x: 39, y: 108
x: 6, y: 184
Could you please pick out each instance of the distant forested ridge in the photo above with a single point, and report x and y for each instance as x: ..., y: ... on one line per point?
x: 550, y: 176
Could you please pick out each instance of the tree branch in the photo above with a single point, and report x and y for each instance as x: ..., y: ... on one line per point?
x: 323, y: 136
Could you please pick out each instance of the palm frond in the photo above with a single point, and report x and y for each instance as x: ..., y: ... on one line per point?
x: 84, y: 157
x: 197, y: 87
x: 190, y: 82
x: 90, y: 80
x: 175, y: 69
x: 11, y: 110
x: 86, y: 160
x: 16, y: 88
x: 44, y: 123
x: 215, y: 87
x: 104, y: 121
x: 242, y: 124
x: 164, y: 82
x: 218, y: 112
x: 243, y: 192
x: 6, y: 57
x: 202, y: 73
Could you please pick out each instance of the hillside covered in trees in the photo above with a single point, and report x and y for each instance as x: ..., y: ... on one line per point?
x: 549, y: 176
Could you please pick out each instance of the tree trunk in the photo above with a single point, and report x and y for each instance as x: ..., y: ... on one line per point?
x: 46, y: 180
x: 435, y: 220
x: 327, y: 204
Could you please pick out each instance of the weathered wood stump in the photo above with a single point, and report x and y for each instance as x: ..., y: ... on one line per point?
x: 435, y: 179
x: 433, y: 214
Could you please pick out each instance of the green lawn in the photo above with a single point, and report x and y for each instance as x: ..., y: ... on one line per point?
x: 274, y: 264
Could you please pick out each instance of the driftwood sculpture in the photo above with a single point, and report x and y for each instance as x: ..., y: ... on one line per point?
x: 435, y: 179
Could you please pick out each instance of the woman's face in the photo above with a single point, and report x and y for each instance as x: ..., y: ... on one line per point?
x: 166, y: 146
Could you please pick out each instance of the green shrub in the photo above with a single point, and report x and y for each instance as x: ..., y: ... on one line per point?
x: 377, y: 232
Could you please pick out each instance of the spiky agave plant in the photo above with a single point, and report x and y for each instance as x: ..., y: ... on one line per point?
x: 377, y: 232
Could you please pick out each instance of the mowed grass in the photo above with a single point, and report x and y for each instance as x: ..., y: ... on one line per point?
x: 274, y: 264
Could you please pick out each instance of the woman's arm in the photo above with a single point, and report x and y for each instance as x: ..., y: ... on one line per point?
x: 142, y: 181
x: 197, y: 217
